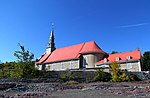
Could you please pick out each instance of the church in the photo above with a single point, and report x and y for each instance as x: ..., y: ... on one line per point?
x: 85, y: 56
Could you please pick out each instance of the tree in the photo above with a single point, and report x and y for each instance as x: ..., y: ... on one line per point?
x: 117, y: 74
x: 5, y: 68
x: 23, y: 68
x: 102, y: 76
x: 23, y: 55
x: 146, y: 61
x: 25, y: 65
x: 2, y: 70
x: 114, y: 52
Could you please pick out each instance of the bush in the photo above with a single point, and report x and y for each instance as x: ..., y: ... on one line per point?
x: 71, y: 82
x: 67, y: 77
x: 117, y: 74
x: 15, y: 74
x: 102, y: 76
x: 1, y: 73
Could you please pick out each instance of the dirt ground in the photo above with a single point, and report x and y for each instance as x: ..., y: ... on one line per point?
x: 84, y: 90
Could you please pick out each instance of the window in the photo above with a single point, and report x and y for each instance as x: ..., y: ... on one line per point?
x: 46, y: 67
x: 71, y: 64
x: 104, y: 66
x: 105, y: 60
x: 62, y: 66
x: 128, y: 57
x: 53, y: 66
x: 39, y: 67
x: 117, y: 58
x: 129, y: 65
x: 49, y: 67
x: 84, y: 62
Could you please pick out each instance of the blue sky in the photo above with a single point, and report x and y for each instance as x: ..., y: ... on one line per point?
x: 120, y: 25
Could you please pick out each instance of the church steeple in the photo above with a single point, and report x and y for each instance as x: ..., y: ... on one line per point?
x: 51, y: 44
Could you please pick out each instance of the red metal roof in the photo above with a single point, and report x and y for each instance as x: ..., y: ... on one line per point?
x: 72, y: 52
x: 43, y: 58
x: 66, y: 53
x: 91, y: 47
x: 135, y: 55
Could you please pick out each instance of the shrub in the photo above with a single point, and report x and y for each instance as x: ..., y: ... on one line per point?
x: 117, y: 74
x: 102, y: 76
x: 1, y: 73
x: 67, y: 76
x: 15, y: 74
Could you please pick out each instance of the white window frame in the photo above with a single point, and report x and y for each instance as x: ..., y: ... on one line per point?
x: 105, y: 60
x: 128, y: 57
x: 117, y: 58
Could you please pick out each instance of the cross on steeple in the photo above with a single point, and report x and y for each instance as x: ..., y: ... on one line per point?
x: 51, y: 45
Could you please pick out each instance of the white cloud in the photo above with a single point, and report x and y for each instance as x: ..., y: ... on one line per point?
x: 133, y: 25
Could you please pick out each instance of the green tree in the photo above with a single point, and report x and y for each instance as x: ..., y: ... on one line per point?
x: 8, y: 67
x: 25, y: 65
x: 114, y: 52
x: 117, y: 74
x: 102, y: 76
x: 2, y: 70
x: 23, y: 55
x: 146, y: 61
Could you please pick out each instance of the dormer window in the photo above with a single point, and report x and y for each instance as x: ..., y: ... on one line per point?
x: 128, y: 57
x: 117, y: 58
x: 105, y: 60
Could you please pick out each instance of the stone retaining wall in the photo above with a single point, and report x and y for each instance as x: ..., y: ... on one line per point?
x: 143, y: 75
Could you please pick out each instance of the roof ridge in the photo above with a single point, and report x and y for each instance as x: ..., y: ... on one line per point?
x: 81, y: 48
x: 40, y: 62
x: 69, y: 46
x: 46, y: 58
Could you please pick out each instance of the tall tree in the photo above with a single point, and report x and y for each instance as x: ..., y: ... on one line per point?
x: 25, y: 65
x: 146, y: 61
x: 23, y: 55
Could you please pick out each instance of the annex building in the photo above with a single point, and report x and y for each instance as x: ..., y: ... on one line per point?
x: 87, y: 56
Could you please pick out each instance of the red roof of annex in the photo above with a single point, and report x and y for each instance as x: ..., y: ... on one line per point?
x: 134, y: 55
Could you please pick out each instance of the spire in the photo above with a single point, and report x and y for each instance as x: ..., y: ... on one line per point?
x: 51, y: 44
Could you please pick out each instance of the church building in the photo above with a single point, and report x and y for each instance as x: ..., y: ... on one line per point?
x: 84, y: 56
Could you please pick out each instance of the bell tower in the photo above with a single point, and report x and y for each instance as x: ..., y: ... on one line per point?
x: 51, y: 45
